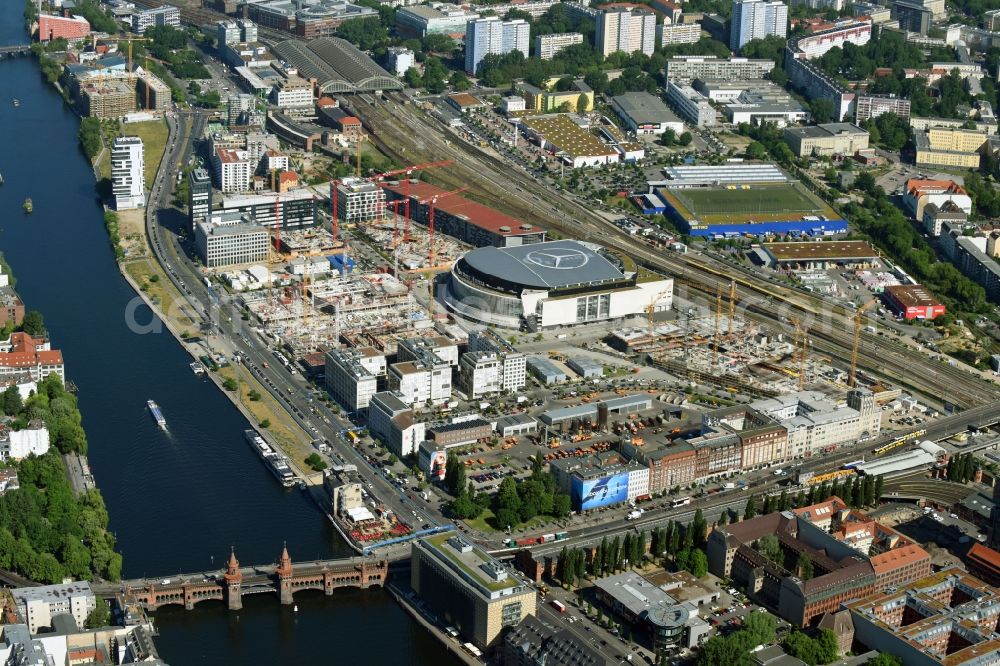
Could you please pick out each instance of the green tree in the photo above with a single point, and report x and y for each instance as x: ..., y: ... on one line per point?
x: 884, y: 659
x: 827, y: 648
x: 100, y: 616
x: 365, y: 33
x: 804, y: 566
x: 413, y: 78
x: 685, y: 138
x: 756, y: 151
x: 33, y: 323
x: 821, y: 110
x: 769, y: 547
x: 459, y: 81
x: 507, y: 504
x: 761, y: 626
x: 90, y: 136
x: 751, y: 509
x: 699, y: 528
x: 698, y: 565
x: 230, y: 384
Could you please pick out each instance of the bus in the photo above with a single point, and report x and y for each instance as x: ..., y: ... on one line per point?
x: 558, y: 605
x: 562, y: 535
x: 353, y: 436
x: 680, y: 501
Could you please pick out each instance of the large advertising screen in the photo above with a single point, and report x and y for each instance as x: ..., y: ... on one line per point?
x: 595, y: 493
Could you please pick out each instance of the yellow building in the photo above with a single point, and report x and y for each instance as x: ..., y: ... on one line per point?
x: 469, y: 589
x: 539, y: 100
x: 950, y: 147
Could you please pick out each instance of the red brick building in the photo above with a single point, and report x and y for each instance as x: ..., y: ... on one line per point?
x: 68, y: 27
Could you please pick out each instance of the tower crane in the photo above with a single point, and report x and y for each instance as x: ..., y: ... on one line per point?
x: 432, y: 201
x: 718, y: 317
x: 732, y: 308
x: 852, y: 378
x: 408, y: 171
x: 651, y: 308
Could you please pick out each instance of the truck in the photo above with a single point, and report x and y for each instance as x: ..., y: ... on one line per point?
x: 728, y: 486
x: 634, y: 514
x: 546, y: 538
x: 558, y: 605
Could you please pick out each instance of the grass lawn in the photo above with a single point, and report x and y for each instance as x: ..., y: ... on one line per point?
x: 154, y: 142
x: 161, y: 291
x: 289, y: 436
x: 482, y: 523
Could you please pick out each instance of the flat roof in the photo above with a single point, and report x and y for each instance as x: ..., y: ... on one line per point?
x: 476, y: 213
x: 548, y: 265
x: 633, y: 592
x: 469, y: 563
x: 644, y: 108
x: 911, y: 295
x: 567, y: 136
x: 820, y: 250
x: 826, y: 130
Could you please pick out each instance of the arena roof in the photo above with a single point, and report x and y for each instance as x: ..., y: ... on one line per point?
x: 547, y: 265
x: 337, y: 65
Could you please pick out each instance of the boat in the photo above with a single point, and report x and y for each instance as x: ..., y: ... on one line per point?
x: 197, y: 368
x: 1, y: 179
x: 154, y: 409
x: 17, y: 102
x: 28, y: 205
x: 275, y: 461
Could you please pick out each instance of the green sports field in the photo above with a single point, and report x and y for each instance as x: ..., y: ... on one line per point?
x: 754, y: 203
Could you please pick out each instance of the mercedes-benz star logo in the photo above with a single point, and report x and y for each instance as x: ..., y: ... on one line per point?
x: 560, y: 259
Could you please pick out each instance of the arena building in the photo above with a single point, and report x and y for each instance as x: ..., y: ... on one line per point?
x: 556, y: 283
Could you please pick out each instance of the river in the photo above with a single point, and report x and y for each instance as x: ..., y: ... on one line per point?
x: 177, y: 500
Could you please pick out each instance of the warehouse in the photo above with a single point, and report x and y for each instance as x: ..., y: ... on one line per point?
x: 587, y: 368
x: 559, y: 135
x: 828, y: 139
x: 557, y: 283
x: 626, y: 404
x: 546, y: 371
x: 820, y: 255
x: 912, y: 301
x: 644, y: 113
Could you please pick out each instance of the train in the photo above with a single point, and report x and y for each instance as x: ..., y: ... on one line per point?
x: 533, y: 541
x: 898, y: 442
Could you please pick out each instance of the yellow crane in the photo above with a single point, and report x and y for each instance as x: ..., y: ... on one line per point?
x: 718, y: 317
x: 732, y: 307
x: 852, y: 378
x: 651, y: 308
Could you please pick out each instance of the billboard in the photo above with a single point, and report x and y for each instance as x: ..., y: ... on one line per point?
x: 595, y: 493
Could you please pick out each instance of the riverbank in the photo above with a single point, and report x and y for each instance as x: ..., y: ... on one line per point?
x: 401, y: 595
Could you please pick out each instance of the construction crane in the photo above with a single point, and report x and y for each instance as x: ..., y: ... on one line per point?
x: 718, y: 317
x: 852, y: 378
x: 732, y: 308
x: 123, y: 39
x: 432, y: 201
x: 799, y: 353
x: 651, y: 308
x: 407, y: 172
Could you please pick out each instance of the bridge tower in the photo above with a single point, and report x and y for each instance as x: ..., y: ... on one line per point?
x: 234, y: 579
x: 285, y: 572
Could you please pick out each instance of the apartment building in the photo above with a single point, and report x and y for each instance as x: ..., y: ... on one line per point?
x: 166, y: 15
x: 689, y: 68
x: 950, y: 147
x: 293, y: 93
x: 357, y: 199
x: 233, y: 169
x: 199, y: 195
x: 668, y: 34
x: 22, y: 354
x: 62, y: 27
x: 627, y: 30
x: 38, y: 605
x: 492, y: 36
x: 873, y: 106
x: 547, y: 46
x: 513, y: 369
x: 756, y: 19
x: 128, y: 181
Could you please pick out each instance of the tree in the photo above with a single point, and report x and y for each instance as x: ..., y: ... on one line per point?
x: 756, y: 151
x: 33, y: 323
x: 669, y: 138
x: 100, y: 616
x: 761, y: 626
x: 698, y: 565
x: 699, y: 528
x: 769, y: 547
x: 459, y: 81
x: 751, y: 508
x: 827, y: 648
x: 11, y: 400
x: 804, y: 566
x: 365, y: 33
x: 90, y: 136
x: 685, y: 138
x: 582, y: 104
x: 315, y: 462
x: 454, y: 475
x: 435, y: 75
x: 230, y: 384
x: 413, y: 78
x: 801, y: 646
x: 884, y: 659
x: 507, y: 503
x: 821, y: 110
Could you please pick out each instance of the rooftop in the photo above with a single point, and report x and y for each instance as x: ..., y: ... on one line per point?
x: 911, y: 295
x: 469, y: 559
x: 644, y: 108
x: 567, y: 136
x: 476, y: 213
x: 548, y: 265
x: 820, y: 250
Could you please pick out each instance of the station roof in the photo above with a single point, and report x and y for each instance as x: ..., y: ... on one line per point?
x: 337, y: 65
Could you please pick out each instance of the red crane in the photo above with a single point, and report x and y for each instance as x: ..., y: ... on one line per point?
x: 408, y: 171
x: 432, y: 200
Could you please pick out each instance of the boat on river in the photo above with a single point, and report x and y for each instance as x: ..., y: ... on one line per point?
x: 154, y: 409
x: 29, y: 207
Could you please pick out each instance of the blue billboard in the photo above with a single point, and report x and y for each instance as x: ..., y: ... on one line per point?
x: 595, y: 493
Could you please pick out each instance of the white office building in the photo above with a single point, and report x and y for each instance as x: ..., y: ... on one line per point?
x: 128, y: 182
x: 691, y: 104
x: 419, y: 383
x: 547, y: 46
x: 230, y: 239
x: 392, y: 421
x: 19, y: 444
x: 491, y: 35
x: 358, y: 200
x: 514, y: 364
x: 756, y: 19
x: 38, y: 604
x: 147, y: 18
x: 352, y: 375
x: 400, y: 59
x: 233, y: 169
x: 626, y: 30
x: 292, y: 92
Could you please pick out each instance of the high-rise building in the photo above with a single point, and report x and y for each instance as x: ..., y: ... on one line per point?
x: 128, y: 182
x: 167, y: 15
x: 756, y: 19
x: 491, y: 36
x: 199, y: 196
x: 547, y: 46
x: 233, y: 169
x: 358, y: 200
x: 627, y: 30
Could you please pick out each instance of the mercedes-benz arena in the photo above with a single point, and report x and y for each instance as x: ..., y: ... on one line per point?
x: 551, y: 284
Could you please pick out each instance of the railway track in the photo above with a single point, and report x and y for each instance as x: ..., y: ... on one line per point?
x: 412, y: 137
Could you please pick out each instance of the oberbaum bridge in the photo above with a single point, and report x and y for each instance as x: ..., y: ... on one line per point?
x: 230, y: 586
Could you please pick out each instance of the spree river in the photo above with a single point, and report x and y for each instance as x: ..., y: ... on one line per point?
x: 177, y: 500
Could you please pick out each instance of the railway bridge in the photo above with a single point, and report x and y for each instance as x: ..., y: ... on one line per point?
x: 231, y: 584
x: 15, y: 49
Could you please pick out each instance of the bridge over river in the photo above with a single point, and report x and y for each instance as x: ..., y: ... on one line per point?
x: 230, y: 584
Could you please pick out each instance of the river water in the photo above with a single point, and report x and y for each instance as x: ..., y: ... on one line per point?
x: 177, y: 500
